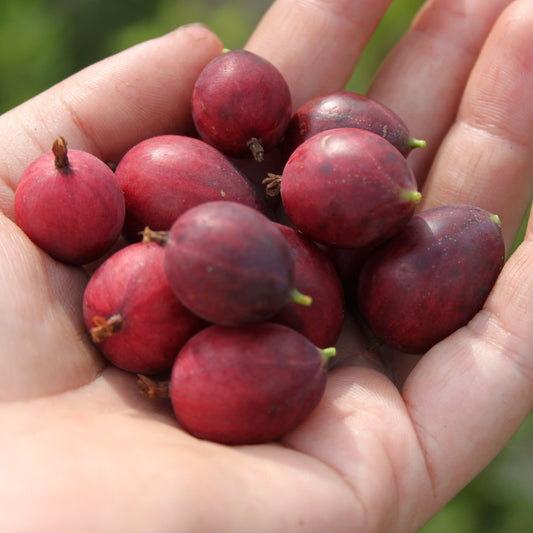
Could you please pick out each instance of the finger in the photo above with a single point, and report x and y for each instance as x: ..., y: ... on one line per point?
x: 477, y: 157
x: 316, y: 43
x: 424, y: 76
x: 487, y: 157
x: 109, y: 106
x: 362, y: 430
x: 405, y: 456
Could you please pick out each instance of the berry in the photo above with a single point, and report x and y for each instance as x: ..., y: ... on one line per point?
x: 241, y: 104
x: 344, y: 109
x: 69, y: 203
x: 431, y: 278
x: 163, y: 176
x: 347, y: 188
x: 315, y: 276
x: 247, y: 385
x: 132, y: 314
x: 230, y: 264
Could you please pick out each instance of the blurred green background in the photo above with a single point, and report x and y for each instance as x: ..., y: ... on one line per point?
x: 44, y: 41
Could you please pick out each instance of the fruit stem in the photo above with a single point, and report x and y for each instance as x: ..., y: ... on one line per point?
x: 411, y: 196
x: 149, y: 235
x: 59, y: 149
x: 153, y: 389
x: 272, y: 184
x: 255, y: 146
x: 496, y: 219
x: 104, y: 328
x: 417, y: 143
x: 299, y: 298
x: 327, y: 353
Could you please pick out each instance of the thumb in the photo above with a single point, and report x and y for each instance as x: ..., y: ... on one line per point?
x: 109, y: 106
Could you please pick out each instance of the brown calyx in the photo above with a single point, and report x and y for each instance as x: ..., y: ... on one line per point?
x: 59, y: 149
x: 272, y: 184
x: 104, y: 328
x: 153, y: 389
x: 255, y: 146
x: 150, y: 235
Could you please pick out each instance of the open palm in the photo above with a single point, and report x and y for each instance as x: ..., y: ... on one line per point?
x: 395, y: 437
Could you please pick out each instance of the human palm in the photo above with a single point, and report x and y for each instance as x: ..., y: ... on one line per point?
x: 395, y: 436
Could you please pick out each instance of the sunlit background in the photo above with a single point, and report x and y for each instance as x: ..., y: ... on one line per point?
x: 43, y: 41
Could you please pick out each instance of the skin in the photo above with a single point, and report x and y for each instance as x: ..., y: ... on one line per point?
x: 395, y: 437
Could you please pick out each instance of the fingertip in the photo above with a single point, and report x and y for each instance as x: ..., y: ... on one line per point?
x: 108, y: 107
x: 197, y: 32
x: 315, y: 45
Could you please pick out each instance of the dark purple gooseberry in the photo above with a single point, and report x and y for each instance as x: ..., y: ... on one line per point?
x: 432, y: 277
x: 230, y: 264
x: 344, y: 109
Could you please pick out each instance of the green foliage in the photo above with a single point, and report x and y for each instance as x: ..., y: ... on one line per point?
x: 47, y: 40
x: 32, y: 58
x: 44, y: 41
x: 393, y: 25
x: 230, y: 20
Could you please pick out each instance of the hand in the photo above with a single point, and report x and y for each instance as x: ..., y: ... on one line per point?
x: 391, y: 442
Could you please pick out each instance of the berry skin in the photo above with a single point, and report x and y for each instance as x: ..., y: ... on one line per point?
x: 230, y: 264
x: 163, y: 176
x: 247, y: 385
x: 347, y: 188
x: 132, y: 314
x: 241, y: 104
x: 344, y: 109
x: 432, y: 277
x: 315, y: 276
x: 70, y: 204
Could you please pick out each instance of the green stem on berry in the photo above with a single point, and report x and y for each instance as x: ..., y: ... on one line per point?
x: 411, y: 196
x: 417, y: 143
x: 327, y: 353
x: 299, y: 298
x: 496, y: 219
